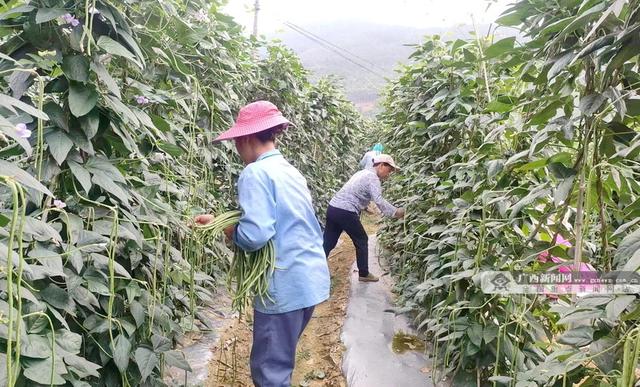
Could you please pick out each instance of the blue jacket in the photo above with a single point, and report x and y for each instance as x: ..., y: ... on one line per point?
x: 276, y: 203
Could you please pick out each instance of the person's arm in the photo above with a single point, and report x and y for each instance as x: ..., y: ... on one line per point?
x: 257, y: 224
x: 376, y: 196
x: 364, y: 160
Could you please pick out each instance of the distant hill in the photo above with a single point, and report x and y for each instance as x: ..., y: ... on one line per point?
x: 381, y: 47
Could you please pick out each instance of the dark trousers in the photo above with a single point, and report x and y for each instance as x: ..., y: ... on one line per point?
x: 275, y: 337
x: 339, y: 220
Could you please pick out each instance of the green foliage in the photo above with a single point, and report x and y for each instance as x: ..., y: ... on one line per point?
x: 507, y: 146
x: 100, y: 271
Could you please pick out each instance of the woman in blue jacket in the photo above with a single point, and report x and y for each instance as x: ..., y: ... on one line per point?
x: 276, y: 204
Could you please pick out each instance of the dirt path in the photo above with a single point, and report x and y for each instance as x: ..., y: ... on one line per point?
x: 319, y: 354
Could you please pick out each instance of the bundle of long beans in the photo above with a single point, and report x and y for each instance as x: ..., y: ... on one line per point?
x: 250, y: 271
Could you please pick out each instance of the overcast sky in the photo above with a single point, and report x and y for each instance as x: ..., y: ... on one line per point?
x: 412, y: 13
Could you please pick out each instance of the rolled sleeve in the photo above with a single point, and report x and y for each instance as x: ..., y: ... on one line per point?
x: 363, y: 161
x: 257, y: 222
x: 376, y: 196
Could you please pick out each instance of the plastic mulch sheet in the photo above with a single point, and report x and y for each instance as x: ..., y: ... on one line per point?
x: 368, y: 332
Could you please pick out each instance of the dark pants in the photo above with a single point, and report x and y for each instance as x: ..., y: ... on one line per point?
x: 275, y: 337
x: 339, y: 220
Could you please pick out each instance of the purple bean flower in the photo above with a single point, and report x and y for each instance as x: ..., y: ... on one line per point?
x: 202, y: 16
x: 70, y: 19
x: 22, y: 131
x: 59, y: 204
x: 142, y: 100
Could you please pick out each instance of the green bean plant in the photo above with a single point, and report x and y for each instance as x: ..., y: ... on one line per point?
x: 509, y: 145
x: 107, y: 114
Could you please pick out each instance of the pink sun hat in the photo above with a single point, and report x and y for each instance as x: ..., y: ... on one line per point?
x: 254, y: 118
